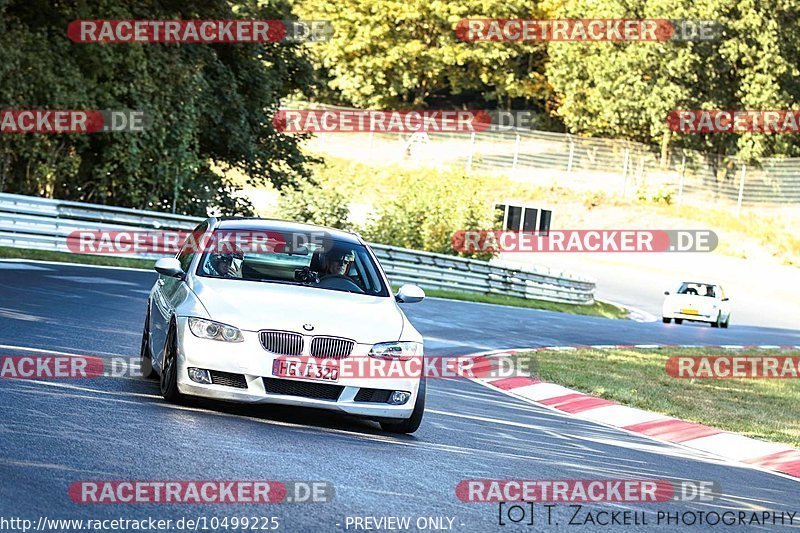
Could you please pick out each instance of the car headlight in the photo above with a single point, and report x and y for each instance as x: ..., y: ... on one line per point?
x: 208, y: 329
x: 396, y: 350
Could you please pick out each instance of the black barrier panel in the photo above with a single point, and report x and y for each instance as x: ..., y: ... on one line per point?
x: 514, y: 218
x: 529, y: 219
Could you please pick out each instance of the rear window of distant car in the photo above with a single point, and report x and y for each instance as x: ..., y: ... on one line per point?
x: 699, y: 289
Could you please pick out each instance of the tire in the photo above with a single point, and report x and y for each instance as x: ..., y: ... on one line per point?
x: 718, y: 322
x: 666, y: 320
x: 169, y: 369
x: 412, y: 423
x: 679, y: 321
x: 145, y: 354
x: 727, y: 321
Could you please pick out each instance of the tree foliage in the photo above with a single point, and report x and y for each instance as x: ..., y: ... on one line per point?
x: 313, y: 203
x: 399, y: 54
x: 430, y: 208
x: 626, y: 90
x: 211, y: 107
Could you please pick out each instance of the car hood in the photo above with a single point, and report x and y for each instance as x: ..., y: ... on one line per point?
x: 252, y: 306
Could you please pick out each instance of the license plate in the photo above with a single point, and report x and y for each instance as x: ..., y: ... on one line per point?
x: 690, y: 311
x: 327, y: 371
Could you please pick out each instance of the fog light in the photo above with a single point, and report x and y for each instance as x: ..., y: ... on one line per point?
x: 199, y: 375
x: 399, y: 397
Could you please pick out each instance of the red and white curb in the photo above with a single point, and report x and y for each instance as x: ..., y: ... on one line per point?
x: 770, y: 456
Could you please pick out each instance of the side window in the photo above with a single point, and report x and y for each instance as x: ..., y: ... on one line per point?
x: 189, y: 248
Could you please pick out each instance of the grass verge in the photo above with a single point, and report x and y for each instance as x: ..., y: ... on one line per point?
x: 759, y: 408
x: 66, y: 257
x: 601, y: 309
x: 597, y: 309
x: 767, y: 231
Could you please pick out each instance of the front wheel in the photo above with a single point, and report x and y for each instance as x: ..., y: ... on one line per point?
x: 727, y: 321
x: 169, y: 369
x: 718, y: 322
x: 412, y: 423
x: 679, y: 321
x: 145, y: 354
x: 666, y: 320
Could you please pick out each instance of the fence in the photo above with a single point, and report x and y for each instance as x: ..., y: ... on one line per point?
x: 31, y: 222
x: 543, y: 158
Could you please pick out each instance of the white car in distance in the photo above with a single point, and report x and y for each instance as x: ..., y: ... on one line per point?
x: 227, y: 325
x: 697, y: 302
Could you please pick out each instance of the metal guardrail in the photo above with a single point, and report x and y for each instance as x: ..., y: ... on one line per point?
x: 40, y: 223
x: 616, y: 167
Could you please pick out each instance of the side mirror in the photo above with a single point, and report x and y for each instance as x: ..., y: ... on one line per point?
x: 666, y: 292
x: 725, y: 299
x: 409, y: 294
x: 171, y: 267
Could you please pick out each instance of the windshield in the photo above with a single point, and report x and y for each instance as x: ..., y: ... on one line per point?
x: 320, y: 263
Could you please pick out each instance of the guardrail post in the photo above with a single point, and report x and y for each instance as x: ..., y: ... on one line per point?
x: 175, y: 195
x: 516, y: 154
x: 625, y: 160
x: 741, y: 191
x: 571, y: 154
x: 471, y: 151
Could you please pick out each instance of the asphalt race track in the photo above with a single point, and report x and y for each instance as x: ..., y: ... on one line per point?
x: 56, y: 432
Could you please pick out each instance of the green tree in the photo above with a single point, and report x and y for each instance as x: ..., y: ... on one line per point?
x: 399, y: 54
x: 210, y: 105
x: 626, y: 90
x: 311, y: 203
x: 430, y: 208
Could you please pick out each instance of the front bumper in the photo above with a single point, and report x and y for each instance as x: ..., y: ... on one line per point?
x: 250, y: 360
x: 686, y: 316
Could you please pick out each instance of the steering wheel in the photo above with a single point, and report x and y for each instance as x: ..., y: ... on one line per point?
x: 338, y: 281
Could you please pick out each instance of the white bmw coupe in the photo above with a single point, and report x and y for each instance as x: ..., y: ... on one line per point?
x: 226, y: 324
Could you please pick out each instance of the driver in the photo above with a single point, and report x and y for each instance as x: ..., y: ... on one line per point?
x: 337, y: 263
x: 225, y: 265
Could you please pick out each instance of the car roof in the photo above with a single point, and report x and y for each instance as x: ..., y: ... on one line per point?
x: 701, y: 283
x: 267, y: 224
